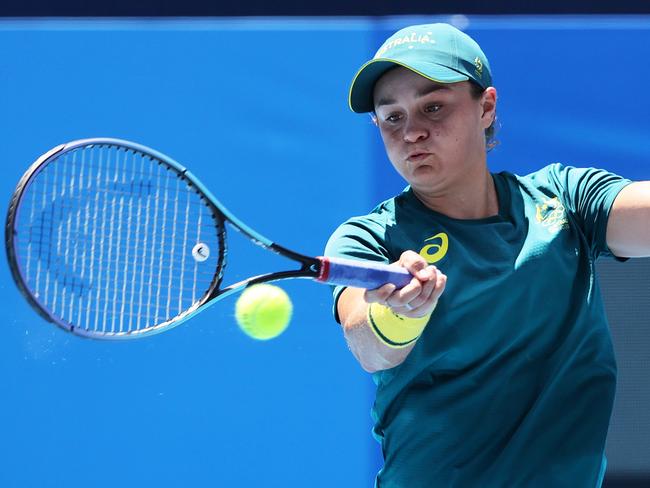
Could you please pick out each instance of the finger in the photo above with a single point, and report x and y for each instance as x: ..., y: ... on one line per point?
x: 416, y: 292
x: 415, y: 264
x: 379, y: 295
x: 427, y: 289
x: 427, y: 274
x: 399, y: 298
x: 441, y: 283
x: 430, y: 303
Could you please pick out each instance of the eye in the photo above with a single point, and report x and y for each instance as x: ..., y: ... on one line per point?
x: 393, y: 117
x: 433, y: 108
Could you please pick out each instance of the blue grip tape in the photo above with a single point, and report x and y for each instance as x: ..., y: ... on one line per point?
x: 363, y: 274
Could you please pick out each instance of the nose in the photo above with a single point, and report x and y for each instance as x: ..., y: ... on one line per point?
x: 414, y: 130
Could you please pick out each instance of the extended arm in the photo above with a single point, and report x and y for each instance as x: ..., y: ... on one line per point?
x: 628, y: 227
x: 416, y: 300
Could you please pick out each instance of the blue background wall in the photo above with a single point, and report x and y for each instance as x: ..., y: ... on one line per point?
x: 257, y: 109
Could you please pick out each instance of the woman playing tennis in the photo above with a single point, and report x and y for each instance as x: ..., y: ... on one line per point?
x: 494, y: 366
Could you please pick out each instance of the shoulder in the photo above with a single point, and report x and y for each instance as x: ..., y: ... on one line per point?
x: 367, y: 236
x: 586, y: 191
x: 568, y: 177
x: 377, y: 220
x: 556, y: 179
x: 545, y: 176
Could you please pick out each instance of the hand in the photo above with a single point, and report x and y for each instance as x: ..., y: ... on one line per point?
x: 420, y: 296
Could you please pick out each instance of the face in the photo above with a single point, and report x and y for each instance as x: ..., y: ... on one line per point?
x: 434, y: 133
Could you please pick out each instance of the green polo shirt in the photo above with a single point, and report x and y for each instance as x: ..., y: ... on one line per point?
x: 512, y: 382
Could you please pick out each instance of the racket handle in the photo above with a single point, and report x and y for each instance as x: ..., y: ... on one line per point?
x: 361, y: 274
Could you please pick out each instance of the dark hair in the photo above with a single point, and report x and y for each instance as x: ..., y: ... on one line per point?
x: 491, y: 142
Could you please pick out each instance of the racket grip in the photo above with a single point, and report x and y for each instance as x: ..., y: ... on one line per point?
x: 361, y: 274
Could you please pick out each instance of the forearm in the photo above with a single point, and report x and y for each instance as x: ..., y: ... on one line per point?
x: 372, y: 353
x: 383, y: 325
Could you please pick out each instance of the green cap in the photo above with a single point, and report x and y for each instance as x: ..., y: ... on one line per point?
x: 439, y: 52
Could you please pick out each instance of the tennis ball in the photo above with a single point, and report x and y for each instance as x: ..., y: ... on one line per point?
x: 263, y: 311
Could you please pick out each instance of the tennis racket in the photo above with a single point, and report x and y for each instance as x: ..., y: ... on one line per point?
x: 112, y: 240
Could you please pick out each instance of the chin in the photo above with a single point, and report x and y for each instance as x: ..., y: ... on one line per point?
x: 423, y: 171
x: 426, y: 178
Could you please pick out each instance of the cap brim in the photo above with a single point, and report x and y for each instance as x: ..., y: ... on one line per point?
x: 363, y: 84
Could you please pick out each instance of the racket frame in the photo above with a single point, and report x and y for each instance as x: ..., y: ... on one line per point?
x: 310, y: 267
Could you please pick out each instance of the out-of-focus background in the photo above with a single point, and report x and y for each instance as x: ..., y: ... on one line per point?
x: 256, y: 106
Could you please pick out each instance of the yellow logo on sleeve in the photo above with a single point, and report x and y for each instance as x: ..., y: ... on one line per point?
x: 437, y: 250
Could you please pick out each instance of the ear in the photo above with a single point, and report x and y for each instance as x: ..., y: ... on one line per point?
x: 488, y: 106
x: 373, y: 117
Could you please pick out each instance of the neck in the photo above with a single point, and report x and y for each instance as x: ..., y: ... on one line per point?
x: 475, y: 198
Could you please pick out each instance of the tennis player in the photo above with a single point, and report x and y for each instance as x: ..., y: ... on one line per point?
x: 494, y: 366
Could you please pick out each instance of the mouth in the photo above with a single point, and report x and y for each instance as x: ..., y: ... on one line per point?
x: 417, y: 156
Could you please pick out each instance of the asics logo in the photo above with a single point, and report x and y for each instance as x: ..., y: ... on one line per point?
x: 437, y: 249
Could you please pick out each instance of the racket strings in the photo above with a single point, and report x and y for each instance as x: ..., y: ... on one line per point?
x: 108, y: 254
x: 84, y: 193
x: 132, y: 246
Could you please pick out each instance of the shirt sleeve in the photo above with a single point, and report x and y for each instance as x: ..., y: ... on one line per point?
x: 362, y: 238
x: 588, y: 194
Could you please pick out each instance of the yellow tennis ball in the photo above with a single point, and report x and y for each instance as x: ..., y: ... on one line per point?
x: 263, y: 311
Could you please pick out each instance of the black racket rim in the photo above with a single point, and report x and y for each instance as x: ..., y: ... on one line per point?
x: 11, y: 232
x: 310, y: 266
